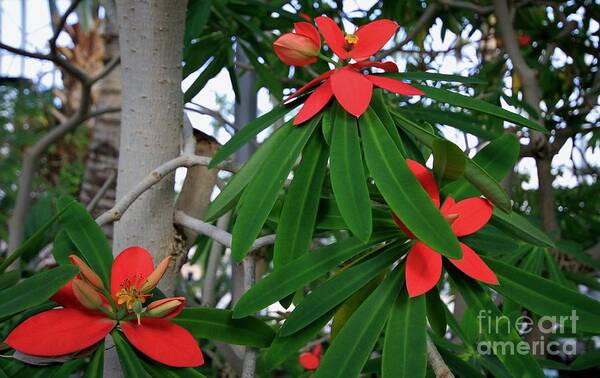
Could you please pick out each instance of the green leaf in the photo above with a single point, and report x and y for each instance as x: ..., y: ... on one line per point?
x: 520, y: 227
x: 466, y: 102
x: 210, y: 71
x: 497, y: 158
x: 402, y: 191
x: 575, y: 250
x: 63, y: 247
x: 88, y: 237
x: 448, y: 160
x: 405, y: 347
x: 34, y: 290
x: 491, y: 240
x: 494, y: 328
x: 457, y: 119
x: 335, y: 291
x: 586, y: 361
x: 283, y: 347
x: 474, y: 173
x: 9, y: 278
x: 301, y: 271
x: 434, y: 76
x: 95, y: 368
x: 327, y: 124
x: 299, y: 213
x: 218, y: 325
x: 67, y: 369
x: 546, y: 297
x: 348, y: 179
x: 381, y: 109
x: 33, y: 242
x: 329, y: 217
x: 249, y: 131
x: 197, y: 15
x: 162, y: 371
x: 436, y: 312
x: 131, y: 364
x: 262, y: 191
x: 240, y: 180
x: 352, y: 346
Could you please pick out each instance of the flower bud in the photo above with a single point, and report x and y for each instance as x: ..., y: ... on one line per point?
x: 155, y: 276
x: 86, y: 272
x: 86, y: 295
x: 300, y: 47
x: 165, y: 308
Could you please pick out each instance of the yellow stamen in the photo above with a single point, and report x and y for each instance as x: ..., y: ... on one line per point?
x: 129, y: 295
x: 351, y: 39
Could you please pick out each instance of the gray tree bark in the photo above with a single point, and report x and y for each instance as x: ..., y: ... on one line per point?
x: 150, y: 38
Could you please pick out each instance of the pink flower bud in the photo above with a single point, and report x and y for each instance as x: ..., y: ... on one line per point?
x: 165, y: 308
x: 86, y: 272
x: 300, y: 47
x: 155, y: 276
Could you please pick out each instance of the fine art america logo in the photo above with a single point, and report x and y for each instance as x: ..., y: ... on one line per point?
x: 551, y: 334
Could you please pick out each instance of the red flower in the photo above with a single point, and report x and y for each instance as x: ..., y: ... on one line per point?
x: 300, y: 47
x: 524, y: 40
x: 88, y: 316
x: 351, y: 88
x: 311, y: 360
x: 423, y: 264
x: 366, y: 41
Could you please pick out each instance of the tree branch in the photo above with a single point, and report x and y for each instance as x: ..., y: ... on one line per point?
x: 61, y: 24
x: 439, y: 367
x: 215, y: 233
x: 425, y: 18
x: 154, y: 177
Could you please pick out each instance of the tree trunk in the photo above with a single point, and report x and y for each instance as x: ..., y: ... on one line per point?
x: 102, y: 160
x: 150, y: 38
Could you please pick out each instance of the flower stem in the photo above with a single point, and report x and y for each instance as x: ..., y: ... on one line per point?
x: 328, y: 59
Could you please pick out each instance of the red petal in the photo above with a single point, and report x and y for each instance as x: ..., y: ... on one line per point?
x: 473, y: 214
x: 473, y: 266
x: 426, y: 179
x: 310, y: 84
x: 308, y: 30
x: 314, y: 103
x: 395, y: 86
x: 352, y: 90
x: 423, y: 269
x: 448, y: 203
x: 164, y: 342
x: 334, y: 36
x: 58, y: 332
x: 372, y: 37
x: 65, y: 296
x: 386, y: 66
x: 406, y: 231
x: 133, y: 264
x: 309, y: 361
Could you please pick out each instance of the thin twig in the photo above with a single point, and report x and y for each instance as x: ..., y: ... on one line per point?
x: 439, y: 367
x: 61, y: 23
x: 154, y: 177
x: 215, y: 233
x: 425, y: 18
x: 102, y: 191
x: 214, y: 257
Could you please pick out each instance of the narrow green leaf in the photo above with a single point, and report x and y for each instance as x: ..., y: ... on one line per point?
x: 264, y: 187
x: 575, y: 250
x: 63, y: 247
x: 249, y: 131
x: 348, y: 179
x: 467, y: 102
x: 226, y: 199
x: 497, y: 158
x: 457, y: 119
x: 474, y: 173
x: 405, y: 347
x: 131, y: 364
x: 30, y: 244
x: 545, y: 297
x: 448, y: 160
x: 162, y: 371
x: 520, y: 227
x: 352, y: 346
x: 329, y: 217
x: 436, y: 313
x: 335, y: 291
x: 9, y: 278
x: 301, y: 271
x: 34, y: 290
x: 210, y: 71
x: 327, y: 124
x: 586, y: 361
x: 88, y: 237
x: 218, y: 325
x: 283, y: 347
x: 492, y: 241
x: 381, y: 109
x: 299, y: 213
x: 95, y: 368
x: 434, y: 76
x: 402, y: 191
x: 67, y: 369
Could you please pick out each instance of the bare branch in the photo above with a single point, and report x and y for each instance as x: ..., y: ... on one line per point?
x: 425, y: 18
x: 102, y: 191
x: 154, y: 177
x: 61, y: 24
x: 210, y: 112
x: 439, y: 367
x: 106, y: 70
x: 214, y: 257
x: 215, y: 233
